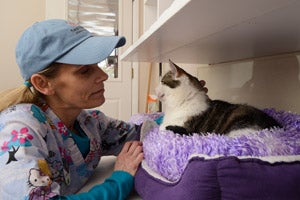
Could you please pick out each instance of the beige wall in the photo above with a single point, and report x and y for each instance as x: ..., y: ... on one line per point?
x: 148, y: 80
x: 15, y: 16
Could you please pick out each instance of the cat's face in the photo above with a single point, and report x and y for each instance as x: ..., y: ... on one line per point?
x: 176, y: 85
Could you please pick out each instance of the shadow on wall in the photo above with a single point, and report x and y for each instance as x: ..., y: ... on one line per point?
x: 264, y: 83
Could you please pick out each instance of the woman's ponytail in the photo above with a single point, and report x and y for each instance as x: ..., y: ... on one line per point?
x: 26, y: 93
x: 22, y: 94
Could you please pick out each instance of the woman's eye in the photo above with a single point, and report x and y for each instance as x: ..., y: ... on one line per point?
x: 84, y: 70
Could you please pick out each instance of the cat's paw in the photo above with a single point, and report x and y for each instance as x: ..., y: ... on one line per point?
x: 147, y: 126
x: 177, y: 129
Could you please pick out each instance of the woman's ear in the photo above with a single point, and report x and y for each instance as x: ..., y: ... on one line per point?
x: 41, y: 84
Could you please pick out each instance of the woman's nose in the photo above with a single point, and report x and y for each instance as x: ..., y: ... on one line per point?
x: 101, y: 75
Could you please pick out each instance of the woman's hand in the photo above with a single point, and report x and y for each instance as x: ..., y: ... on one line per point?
x: 130, y: 157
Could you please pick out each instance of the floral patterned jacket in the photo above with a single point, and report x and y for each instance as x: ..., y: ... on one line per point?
x: 38, y: 155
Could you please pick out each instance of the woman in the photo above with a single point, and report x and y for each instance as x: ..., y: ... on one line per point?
x: 50, y: 143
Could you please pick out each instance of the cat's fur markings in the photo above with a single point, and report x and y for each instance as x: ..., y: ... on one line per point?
x: 188, y: 109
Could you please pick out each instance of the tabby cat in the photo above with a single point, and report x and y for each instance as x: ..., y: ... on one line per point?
x: 188, y: 109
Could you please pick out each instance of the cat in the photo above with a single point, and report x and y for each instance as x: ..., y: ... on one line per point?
x: 188, y: 109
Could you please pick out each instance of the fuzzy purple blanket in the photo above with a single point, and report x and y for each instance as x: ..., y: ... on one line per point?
x: 168, y: 154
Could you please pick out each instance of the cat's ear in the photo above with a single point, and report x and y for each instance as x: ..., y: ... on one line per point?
x: 176, y: 70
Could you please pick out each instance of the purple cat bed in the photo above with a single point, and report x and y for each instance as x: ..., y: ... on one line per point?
x: 263, y: 165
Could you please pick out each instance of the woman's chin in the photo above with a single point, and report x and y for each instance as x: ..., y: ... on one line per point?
x: 95, y: 103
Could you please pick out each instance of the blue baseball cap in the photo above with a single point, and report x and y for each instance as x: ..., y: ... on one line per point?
x: 61, y: 41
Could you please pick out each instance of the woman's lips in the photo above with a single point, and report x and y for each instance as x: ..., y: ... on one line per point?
x: 99, y: 92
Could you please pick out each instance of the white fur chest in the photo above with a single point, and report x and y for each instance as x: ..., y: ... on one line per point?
x: 178, y: 113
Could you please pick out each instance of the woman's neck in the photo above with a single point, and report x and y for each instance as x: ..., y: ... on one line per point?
x: 67, y: 115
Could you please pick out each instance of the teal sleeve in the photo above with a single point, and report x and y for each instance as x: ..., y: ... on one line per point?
x: 117, y: 187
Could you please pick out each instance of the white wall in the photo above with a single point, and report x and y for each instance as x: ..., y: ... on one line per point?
x: 265, y: 82
x: 15, y: 17
x: 269, y: 82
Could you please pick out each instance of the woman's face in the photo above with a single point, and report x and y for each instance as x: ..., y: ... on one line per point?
x: 78, y: 86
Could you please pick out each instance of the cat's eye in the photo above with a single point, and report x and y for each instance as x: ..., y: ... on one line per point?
x: 162, y: 82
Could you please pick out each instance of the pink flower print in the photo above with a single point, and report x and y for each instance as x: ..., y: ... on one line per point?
x: 4, y: 147
x: 66, y: 155
x: 94, y: 114
x: 95, y: 151
x: 95, y: 145
x: 21, y: 136
x: 62, y: 129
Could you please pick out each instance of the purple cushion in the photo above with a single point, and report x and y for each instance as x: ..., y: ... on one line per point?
x: 225, y: 178
x: 264, y: 165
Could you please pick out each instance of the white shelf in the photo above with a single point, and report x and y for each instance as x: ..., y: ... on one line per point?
x: 214, y: 31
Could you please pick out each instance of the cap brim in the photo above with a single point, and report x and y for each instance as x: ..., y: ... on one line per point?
x: 92, y: 50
